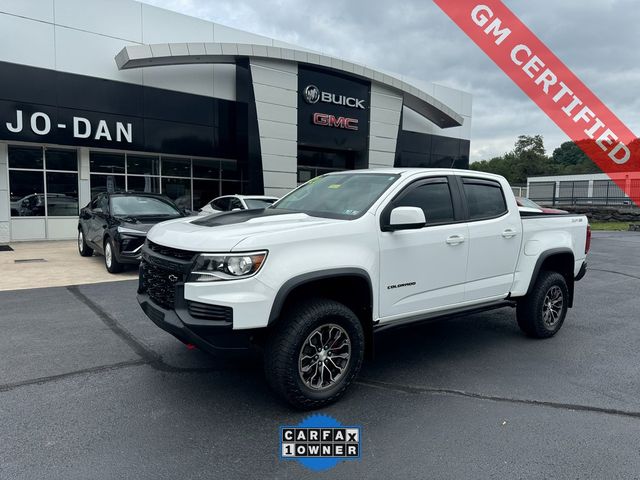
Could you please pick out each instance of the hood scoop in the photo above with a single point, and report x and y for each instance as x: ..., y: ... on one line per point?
x: 230, y: 218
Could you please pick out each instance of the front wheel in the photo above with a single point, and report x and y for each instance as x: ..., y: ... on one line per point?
x: 542, y: 312
x: 110, y: 261
x: 314, y: 353
x: 84, y: 249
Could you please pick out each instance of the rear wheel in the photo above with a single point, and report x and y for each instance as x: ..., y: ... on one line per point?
x: 110, y: 260
x: 542, y: 312
x: 314, y: 353
x: 83, y: 248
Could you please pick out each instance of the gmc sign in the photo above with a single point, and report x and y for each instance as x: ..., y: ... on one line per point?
x: 326, y: 120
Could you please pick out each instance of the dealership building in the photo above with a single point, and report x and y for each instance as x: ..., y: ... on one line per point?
x: 117, y: 95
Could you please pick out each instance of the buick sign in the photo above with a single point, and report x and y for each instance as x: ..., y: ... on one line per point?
x: 313, y: 94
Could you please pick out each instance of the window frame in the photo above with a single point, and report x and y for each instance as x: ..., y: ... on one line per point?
x: 462, y: 180
x: 459, y: 212
x: 44, y: 171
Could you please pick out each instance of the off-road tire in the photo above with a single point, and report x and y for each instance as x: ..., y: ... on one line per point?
x: 530, y: 309
x: 284, y: 344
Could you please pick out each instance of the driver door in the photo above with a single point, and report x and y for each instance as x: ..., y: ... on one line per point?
x: 98, y: 221
x: 424, y: 269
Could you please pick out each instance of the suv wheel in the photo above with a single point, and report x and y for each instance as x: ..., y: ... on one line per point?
x: 314, y: 353
x: 83, y: 248
x: 541, y: 313
x: 110, y: 260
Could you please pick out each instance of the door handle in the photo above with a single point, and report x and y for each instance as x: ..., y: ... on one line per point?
x: 509, y: 233
x: 455, y: 240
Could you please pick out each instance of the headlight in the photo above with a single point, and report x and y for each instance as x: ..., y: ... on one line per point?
x: 212, y: 267
x: 130, y: 231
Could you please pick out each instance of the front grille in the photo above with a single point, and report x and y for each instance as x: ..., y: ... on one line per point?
x: 159, y: 283
x: 210, y: 312
x: 170, y: 252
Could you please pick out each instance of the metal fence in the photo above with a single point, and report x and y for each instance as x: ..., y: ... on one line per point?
x: 581, y: 192
x: 520, y: 191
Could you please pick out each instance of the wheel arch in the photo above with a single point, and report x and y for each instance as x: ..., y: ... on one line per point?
x: 349, y: 286
x: 559, y: 260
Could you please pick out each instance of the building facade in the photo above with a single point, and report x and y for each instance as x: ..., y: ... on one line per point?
x: 118, y: 95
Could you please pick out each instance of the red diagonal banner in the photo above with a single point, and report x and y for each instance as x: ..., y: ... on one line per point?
x: 551, y: 85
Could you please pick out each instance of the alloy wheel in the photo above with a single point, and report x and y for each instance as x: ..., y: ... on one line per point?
x: 324, y: 357
x: 108, y: 255
x: 552, y: 306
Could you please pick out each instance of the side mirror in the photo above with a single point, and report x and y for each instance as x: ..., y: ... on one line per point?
x: 97, y: 210
x: 406, y: 218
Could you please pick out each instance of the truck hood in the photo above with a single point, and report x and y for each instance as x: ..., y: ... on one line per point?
x: 221, y: 233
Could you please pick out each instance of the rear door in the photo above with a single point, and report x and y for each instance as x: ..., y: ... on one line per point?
x: 495, y: 236
x: 424, y: 269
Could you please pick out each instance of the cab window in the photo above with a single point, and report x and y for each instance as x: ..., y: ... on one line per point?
x: 484, y: 198
x: 433, y: 197
x: 221, y: 204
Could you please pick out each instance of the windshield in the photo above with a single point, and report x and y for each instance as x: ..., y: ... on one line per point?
x: 258, y: 202
x: 346, y: 195
x: 134, y: 206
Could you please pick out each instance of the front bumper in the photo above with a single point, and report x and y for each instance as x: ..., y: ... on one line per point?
x: 130, y: 249
x: 215, y: 337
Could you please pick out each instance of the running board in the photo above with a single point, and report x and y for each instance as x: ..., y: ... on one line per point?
x: 456, y: 312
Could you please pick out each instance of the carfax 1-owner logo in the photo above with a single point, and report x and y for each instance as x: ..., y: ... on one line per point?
x: 320, y: 442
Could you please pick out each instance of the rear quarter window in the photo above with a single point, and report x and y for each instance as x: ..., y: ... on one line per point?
x: 484, y: 199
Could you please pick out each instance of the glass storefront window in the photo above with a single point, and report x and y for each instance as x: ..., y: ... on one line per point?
x: 30, y: 196
x: 25, y: 157
x: 62, y: 160
x: 106, y: 183
x: 230, y: 188
x: 26, y: 193
x: 143, y: 184
x: 176, y: 167
x: 62, y: 194
x: 206, y: 168
x: 143, y: 165
x: 106, y: 162
x: 229, y: 169
x: 178, y: 190
x: 204, y: 191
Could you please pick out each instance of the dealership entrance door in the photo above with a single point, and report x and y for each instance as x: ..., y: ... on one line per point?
x: 318, y: 161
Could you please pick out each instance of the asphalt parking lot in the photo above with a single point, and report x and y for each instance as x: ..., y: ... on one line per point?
x: 89, y: 388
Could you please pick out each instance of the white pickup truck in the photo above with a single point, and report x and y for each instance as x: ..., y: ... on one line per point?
x: 310, y: 279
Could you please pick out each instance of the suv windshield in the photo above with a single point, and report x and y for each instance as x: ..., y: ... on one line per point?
x: 345, y: 196
x: 135, y: 206
x: 258, y: 202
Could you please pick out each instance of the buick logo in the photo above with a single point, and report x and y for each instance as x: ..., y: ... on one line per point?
x: 173, y: 278
x: 311, y: 94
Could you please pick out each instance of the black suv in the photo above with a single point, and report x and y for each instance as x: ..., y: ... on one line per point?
x: 116, y: 225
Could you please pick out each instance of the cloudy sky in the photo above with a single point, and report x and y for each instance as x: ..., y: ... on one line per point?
x: 598, y: 39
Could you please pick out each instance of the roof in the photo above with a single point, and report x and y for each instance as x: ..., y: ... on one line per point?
x: 138, y: 56
x: 413, y: 171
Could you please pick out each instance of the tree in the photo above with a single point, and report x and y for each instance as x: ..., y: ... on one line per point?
x: 572, y: 158
x: 528, y: 159
x: 527, y: 144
